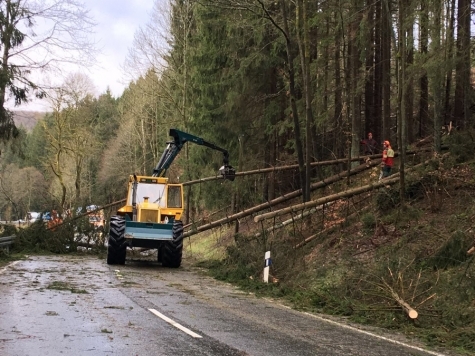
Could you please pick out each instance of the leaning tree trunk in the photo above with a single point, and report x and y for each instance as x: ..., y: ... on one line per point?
x: 281, y: 199
x: 329, y: 198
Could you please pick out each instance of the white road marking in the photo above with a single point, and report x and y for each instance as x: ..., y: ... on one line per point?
x: 361, y: 331
x: 195, y: 335
x: 175, y: 324
x: 376, y: 336
x: 7, y: 266
x: 345, y: 326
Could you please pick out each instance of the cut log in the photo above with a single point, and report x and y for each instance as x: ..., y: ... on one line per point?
x: 293, y: 219
x: 291, y: 195
x: 345, y: 194
x: 282, y: 168
x: 278, y: 200
x: 410, y: 311
x: 313, y: 237
x: 295, y: 166
x: 327, y: 199
x: 68, y: 220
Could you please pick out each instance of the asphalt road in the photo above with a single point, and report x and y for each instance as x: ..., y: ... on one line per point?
x: 64, y: 305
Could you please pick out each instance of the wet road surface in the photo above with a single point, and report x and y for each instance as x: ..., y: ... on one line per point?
x: 73, y: 305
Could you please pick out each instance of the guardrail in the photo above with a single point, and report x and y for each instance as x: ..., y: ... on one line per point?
x: 6, y: 241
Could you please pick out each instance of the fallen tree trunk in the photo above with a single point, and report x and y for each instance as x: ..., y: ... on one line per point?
x: 283, y: 168
x: 295, y: 166
x: 278, y: 200
x: 345, y: 194
x: 327, y: 199
x: 410, y: 311
x: 293, y: 219
x: 313, y: 237
x: 68, y: 220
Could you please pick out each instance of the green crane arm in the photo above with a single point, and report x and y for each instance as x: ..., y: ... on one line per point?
x: 175, y: 146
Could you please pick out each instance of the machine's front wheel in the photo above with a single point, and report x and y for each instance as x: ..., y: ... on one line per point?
x: 172, y: 251
x: 160, y: 254
x: 117, y: 246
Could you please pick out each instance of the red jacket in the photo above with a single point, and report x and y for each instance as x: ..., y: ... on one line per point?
x: 388, y: 156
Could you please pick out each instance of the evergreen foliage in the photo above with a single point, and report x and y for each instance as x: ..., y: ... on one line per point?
x: 259, y: 78
x: 224, y: 75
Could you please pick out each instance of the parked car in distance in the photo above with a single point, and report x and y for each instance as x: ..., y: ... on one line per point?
x: 32, y: 216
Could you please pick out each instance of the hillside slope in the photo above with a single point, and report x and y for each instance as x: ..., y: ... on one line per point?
x: 27, y: 119
x: 370, y: 257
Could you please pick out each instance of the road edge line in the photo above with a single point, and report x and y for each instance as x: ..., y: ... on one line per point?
x: 175, y: 324
x: 8, y: 266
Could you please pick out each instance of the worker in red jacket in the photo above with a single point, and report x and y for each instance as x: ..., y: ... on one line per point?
x: 387, y: 161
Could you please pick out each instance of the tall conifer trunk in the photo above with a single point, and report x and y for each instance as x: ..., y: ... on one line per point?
x: 462, y: 75
x: 386, y: 70
x: 423, y: 115
x: 292, y: 94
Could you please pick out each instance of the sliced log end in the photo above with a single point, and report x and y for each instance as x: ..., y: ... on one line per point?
x: 413, y: 314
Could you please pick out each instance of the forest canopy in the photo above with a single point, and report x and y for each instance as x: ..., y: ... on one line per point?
x: 275, y: 82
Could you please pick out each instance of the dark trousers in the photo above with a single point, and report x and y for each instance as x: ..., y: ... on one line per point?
x: 386, y: 171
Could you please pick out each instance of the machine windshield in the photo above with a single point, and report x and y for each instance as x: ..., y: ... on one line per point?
x: 154, y: 192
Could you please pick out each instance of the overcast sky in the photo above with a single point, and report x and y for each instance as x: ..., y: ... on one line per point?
x: 117, y: 22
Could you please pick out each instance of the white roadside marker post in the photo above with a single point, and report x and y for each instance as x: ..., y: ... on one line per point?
x: 266, y: 268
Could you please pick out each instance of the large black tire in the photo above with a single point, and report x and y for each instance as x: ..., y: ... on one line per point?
x: 159, y: 254
x: 172, y: 251
x: 117, y: 246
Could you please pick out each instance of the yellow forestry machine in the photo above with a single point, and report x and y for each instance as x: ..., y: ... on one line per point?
x: 151, y: 217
